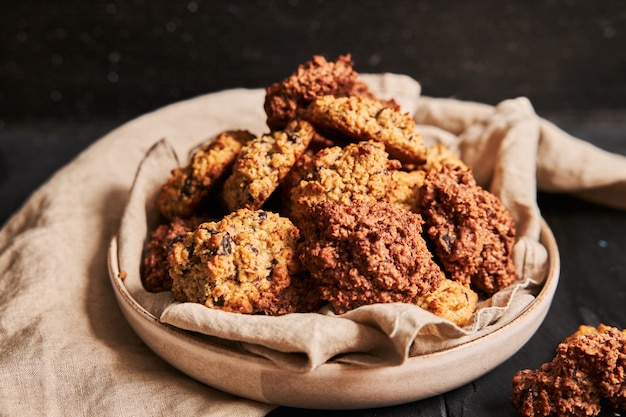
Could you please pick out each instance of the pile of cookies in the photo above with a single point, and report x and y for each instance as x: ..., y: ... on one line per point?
x: 339, y: 204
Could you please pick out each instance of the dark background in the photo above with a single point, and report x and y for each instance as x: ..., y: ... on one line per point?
x: 82, y: 60
x: 70, y: 71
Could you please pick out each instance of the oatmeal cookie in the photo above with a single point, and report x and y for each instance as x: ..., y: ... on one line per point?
x: 472, y: 231
x: 240, y: 263
x: 438, y: 157
x: 285, y: 100
x: 406, y: 194
x: 188, y: 186
x: 362, y: 118
x: 263, y: 163
x: 357, y: 173
x: 451, y: 300
x: 589, y: 369
x: 411, y: 179
x: 155, y: 276
x: 367, y: 253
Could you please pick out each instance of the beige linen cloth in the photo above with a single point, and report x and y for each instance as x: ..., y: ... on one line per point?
x: 65, y: 348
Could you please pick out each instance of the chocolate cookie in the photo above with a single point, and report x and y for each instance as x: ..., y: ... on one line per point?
x: 472, y: 231
x: 367, y: 253
x: 357, y: 173
x: 588, y: 370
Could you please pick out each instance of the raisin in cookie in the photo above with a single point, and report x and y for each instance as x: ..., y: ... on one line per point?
x: 240, y: 263
x: 187, y: 187
x: 472, y: 231
x: 263, y: 163
x: 362, y: 118
x: 367, y: 253
x: 357, y: 173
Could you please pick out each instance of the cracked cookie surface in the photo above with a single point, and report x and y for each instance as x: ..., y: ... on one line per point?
x: 472, y: 231
x: 263, y: 163
x: 287, y: 99
x: 188, y: 186
x: 367, y: 253
x: 588, y: 370
x: 357, y: 173
x: 241, y: 263
x: 362, y: 118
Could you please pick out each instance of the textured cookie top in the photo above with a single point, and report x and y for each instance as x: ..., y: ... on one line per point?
x: 287, y: 99
x: 363, y: 118
x: 406, y: 194
x: 357, y: 173
x: 183, y: 192
x: 263, y: 163
x: 366, y: 253
x: 472, y: 231
x: 587, y: 372
x: 240, y: 263
x: 155, y: 276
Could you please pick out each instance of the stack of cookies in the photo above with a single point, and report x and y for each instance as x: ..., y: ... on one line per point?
x: 340, y: 203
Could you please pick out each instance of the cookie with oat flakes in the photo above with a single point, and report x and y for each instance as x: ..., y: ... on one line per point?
x: 287, y: 99
x: 366, y: 253
x: 188, y: 186
x: 586, y: 374
x: 362, y: 118
x: 263, y: 163
x: 241, y: 263
x: 408, y: 192
x: 357, y: 173
x: 473, y: 233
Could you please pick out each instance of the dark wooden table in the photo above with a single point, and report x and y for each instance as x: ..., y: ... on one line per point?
x: 71, y: 72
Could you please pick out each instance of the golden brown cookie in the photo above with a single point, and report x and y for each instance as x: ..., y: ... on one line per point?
x: 366, y: 253
x: 357, y: 173
x: 362, y: 118
x: 438, y: 156
x: 189, y: 185
x: 451, y: 300
x: 240, y: 263
x: 407, y: 193
x: 263, y: 163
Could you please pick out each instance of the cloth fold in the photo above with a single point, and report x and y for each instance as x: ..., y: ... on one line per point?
x: 563, y: 163
x: 65, y: 348
x: 377, y: 335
